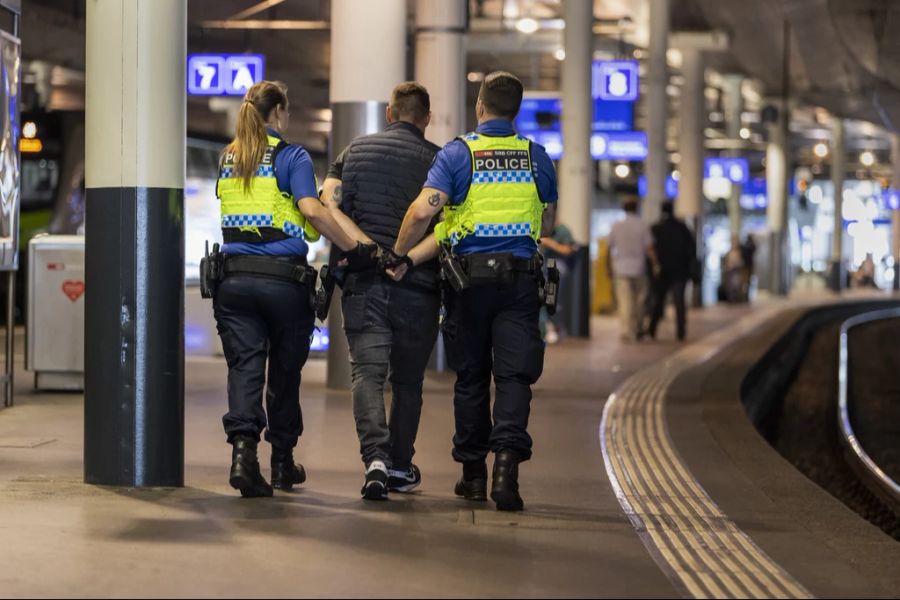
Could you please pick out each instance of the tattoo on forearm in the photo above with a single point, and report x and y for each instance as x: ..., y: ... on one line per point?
x: 434, y: 199
x: 337, y: 194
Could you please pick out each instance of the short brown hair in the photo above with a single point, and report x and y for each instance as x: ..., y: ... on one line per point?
x: 410, y: 100
x: 501, y: 94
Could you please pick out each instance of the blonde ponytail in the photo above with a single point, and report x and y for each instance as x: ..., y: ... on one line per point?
x: 250, y: 141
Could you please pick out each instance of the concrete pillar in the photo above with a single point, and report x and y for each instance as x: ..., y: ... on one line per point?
x: 441, y: 65
x: 895, y: 214
x: 368, y: 58
x: 657, y: 110
x: 837, y: 269
x: 734, y: 107
x: 776, y: 190
x: 576, y: 169
x: 692, y: 117
x: 134, y: 261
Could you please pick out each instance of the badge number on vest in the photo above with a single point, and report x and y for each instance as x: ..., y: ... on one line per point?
x: 502, y: 160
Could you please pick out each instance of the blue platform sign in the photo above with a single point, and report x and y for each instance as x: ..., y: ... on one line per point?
x: 625, y: 145
x: 890, y: 199
x: 736, y: 170
x: 224, y: 74
x: 615, y: 80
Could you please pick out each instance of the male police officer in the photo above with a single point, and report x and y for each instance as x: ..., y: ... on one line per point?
x: 391, y: 326
x: 495, y: 188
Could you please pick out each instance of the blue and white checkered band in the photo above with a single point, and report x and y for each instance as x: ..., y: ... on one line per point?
x: 502, y: 177
x: 502, y: 229
x: 293, y: 230
x: 247, y: 221
x: 262, y: 171
x: 471, y: 136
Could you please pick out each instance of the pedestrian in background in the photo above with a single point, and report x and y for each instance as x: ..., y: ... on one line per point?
x: 676, y: 250
x: 630, y: 244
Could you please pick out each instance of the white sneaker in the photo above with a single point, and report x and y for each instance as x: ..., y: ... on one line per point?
x: 375, y: 487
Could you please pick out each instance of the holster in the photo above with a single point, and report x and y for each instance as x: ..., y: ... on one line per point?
x: 452, y: 270
x: 549, y: 289
x: 211, y: 271
x: 323, y: 293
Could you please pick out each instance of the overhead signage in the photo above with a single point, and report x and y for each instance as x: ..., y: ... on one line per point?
x: 625, y: 145
x: 615, y: 80
x: 224, y: 74
x: 671, y: 187
x: 613, y: 115
x: 545, y: 114
x: 890, y: 199
x: 735, y: 170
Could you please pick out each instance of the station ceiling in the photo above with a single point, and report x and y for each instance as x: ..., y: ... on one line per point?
x: 843, y: 56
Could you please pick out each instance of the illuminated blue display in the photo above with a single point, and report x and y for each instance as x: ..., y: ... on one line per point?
x: 736, y: 170
x: 890, y: 199
x: 320, y: 340
x: 615, y: 80
x: 544, y: 114
x: 224, y: 74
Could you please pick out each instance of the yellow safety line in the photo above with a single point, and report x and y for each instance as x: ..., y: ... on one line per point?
x: 659, y: 484
x: 636, y: 423
x: 710, y: 540
x: 676, y: 563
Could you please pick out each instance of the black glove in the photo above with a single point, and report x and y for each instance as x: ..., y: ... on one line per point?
x: 364, y: 256
x: 391, y: 260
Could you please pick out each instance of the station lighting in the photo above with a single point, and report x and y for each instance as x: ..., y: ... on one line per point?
x: 475, y: 76
x: 622, y: 171
x: 29, y: 130
x: 867, y: 158
x: 559, y: 54
x: 527, y: 25
x: 676, y: 174
x: 745, y: 133
x: 821, y: 150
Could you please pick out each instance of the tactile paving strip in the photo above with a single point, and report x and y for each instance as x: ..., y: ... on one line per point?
x: 700, y: 549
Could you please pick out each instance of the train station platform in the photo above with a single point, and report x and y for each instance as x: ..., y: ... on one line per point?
x: 648, y: 480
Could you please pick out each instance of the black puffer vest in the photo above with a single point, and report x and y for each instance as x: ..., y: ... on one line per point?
x: 382, y: 174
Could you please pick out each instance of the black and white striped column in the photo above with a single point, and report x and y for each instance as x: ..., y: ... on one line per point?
x: 134, y: 305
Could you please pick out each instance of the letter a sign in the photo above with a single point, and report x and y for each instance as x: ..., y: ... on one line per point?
x: 223, y: 74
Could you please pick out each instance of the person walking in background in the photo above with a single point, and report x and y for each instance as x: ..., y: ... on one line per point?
x: 748, y: 252
x: 675, y: 247
x: 630, y: 244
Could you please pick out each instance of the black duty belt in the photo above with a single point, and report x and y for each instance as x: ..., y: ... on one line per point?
x: 500, y: 262
x: 284, y: 268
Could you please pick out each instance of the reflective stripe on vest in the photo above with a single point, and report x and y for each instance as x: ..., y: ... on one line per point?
x: 503, y: 199
x: 263, y: 204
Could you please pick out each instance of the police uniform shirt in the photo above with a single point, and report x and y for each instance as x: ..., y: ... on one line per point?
x: 295, y: 176
x: 451, y: 173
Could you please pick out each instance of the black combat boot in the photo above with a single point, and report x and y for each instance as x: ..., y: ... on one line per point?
x: 245, y: 474
x: 285, y: 474
x: 505, y: 484
x: 473, y: 484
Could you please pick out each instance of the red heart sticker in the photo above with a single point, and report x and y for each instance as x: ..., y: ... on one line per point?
x: 73, y: 289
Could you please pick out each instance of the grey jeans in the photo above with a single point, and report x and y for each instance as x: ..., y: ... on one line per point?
x: 391, y: 331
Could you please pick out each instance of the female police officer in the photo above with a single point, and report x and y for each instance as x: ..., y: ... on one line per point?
x: 269, y: 208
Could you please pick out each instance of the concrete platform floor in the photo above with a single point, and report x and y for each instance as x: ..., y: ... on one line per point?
x: 63, y: 538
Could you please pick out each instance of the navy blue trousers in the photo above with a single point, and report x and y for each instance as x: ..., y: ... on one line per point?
x: 493, y: 330
x: 265, y: 325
